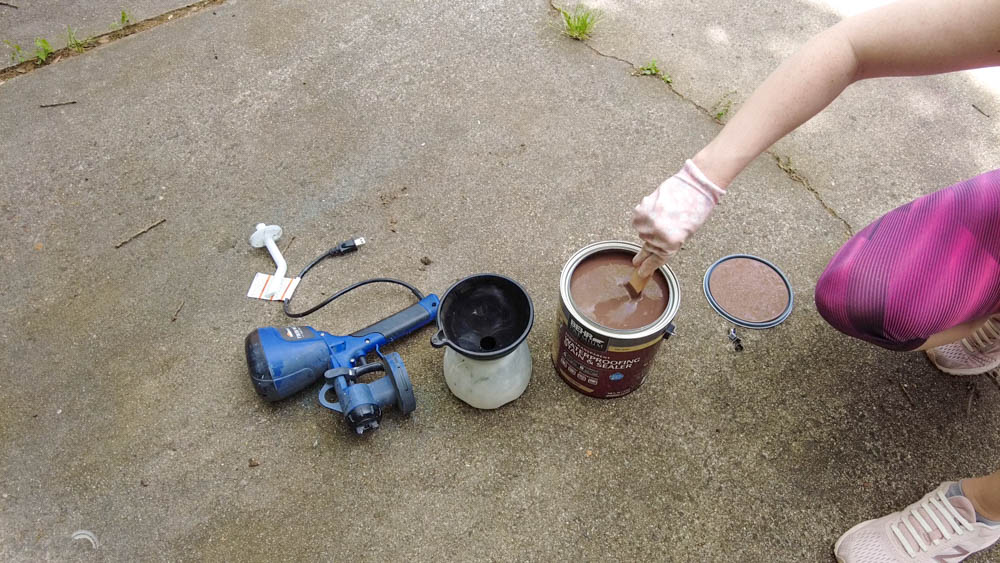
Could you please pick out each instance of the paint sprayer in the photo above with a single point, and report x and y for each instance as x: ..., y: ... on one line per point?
x: 284, y: 361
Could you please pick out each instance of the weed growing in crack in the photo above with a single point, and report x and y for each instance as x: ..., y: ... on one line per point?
x: 16, y: 55
x: 722, y: 108
x: 73, y: 43
x: 652, y: 70
x: 123, y: 21
x: 580, y: 22
x: 42, y: 50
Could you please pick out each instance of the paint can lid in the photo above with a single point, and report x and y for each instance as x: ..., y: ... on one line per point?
x: 749, y: 291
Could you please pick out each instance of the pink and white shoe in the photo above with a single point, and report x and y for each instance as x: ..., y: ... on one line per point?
x: 976, y: 354
x: 937, y: 529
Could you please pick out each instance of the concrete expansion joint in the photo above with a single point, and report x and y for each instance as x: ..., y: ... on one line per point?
x: 102, y: 39
x: 785, y: 165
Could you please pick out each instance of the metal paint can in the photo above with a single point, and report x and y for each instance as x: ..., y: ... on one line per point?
x: 599, y: 361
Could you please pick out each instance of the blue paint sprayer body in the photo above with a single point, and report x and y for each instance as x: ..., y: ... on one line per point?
x: 284, y: 361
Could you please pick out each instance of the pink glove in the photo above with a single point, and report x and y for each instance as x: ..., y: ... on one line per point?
x: 671, y: 214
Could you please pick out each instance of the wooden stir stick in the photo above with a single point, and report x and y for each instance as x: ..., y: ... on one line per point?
x: 636, y: 284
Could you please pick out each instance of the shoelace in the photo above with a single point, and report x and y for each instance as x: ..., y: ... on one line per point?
x: 984, y: 337
x: 958, y: 524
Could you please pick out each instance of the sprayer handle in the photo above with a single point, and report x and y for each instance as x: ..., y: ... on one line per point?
x: 414, y: 317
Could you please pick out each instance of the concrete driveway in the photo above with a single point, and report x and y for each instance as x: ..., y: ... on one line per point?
x: 477, y: 136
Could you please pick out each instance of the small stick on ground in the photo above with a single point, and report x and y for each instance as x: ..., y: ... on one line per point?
x: 57, y: 105
x: 8, y: 5
x: 140, y: 233
x: 290, y: 241
x: 177, y: 312
x: 971, y: 388
x: 980, y: 111
x: 908, y: 396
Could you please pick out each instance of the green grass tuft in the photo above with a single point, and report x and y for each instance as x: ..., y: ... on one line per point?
x: 123, y: 21
x: 42, y: 50
x: 580, y: 22
x: 73, y: 43
x: 16, y: 55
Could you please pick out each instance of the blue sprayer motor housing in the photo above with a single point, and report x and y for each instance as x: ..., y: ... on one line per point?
x: 284, y: 361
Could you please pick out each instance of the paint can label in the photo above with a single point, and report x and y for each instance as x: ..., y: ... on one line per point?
x: 595, y: 366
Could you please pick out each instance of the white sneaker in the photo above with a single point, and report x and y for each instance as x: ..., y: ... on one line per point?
x: 937, y: 529
x: 976, y: 354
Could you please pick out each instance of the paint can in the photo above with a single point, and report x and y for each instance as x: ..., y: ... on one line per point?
x: 603, y: 361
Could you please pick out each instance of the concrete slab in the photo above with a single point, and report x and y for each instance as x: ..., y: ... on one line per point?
x: 876, y: 147
x: 48, y: 19
x: 481, y: 139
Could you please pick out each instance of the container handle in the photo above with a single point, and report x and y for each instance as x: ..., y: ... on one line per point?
x: 438, y: 340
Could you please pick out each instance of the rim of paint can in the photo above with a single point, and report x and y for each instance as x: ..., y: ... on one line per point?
x: 741, y: 322
x: 657, y: 327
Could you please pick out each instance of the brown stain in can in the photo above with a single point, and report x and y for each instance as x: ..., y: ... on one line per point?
x: 598, y: 291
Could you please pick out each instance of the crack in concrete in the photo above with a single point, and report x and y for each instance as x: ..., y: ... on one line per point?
x: 785, y: 165
x: 796, y: 176
x: 606, y: 56
x: 96, y: 41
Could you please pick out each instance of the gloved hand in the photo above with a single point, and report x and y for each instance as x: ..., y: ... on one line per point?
x: 671, y: 214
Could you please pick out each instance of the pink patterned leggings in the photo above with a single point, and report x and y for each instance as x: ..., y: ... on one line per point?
x: 922, y: 268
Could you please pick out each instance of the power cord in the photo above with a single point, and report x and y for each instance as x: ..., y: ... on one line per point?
x: 341, y: 249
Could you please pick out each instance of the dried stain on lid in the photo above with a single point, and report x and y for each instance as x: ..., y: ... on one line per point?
x: 749, y: 291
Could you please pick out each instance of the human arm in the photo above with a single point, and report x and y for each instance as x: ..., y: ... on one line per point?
x: 906, y: 38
